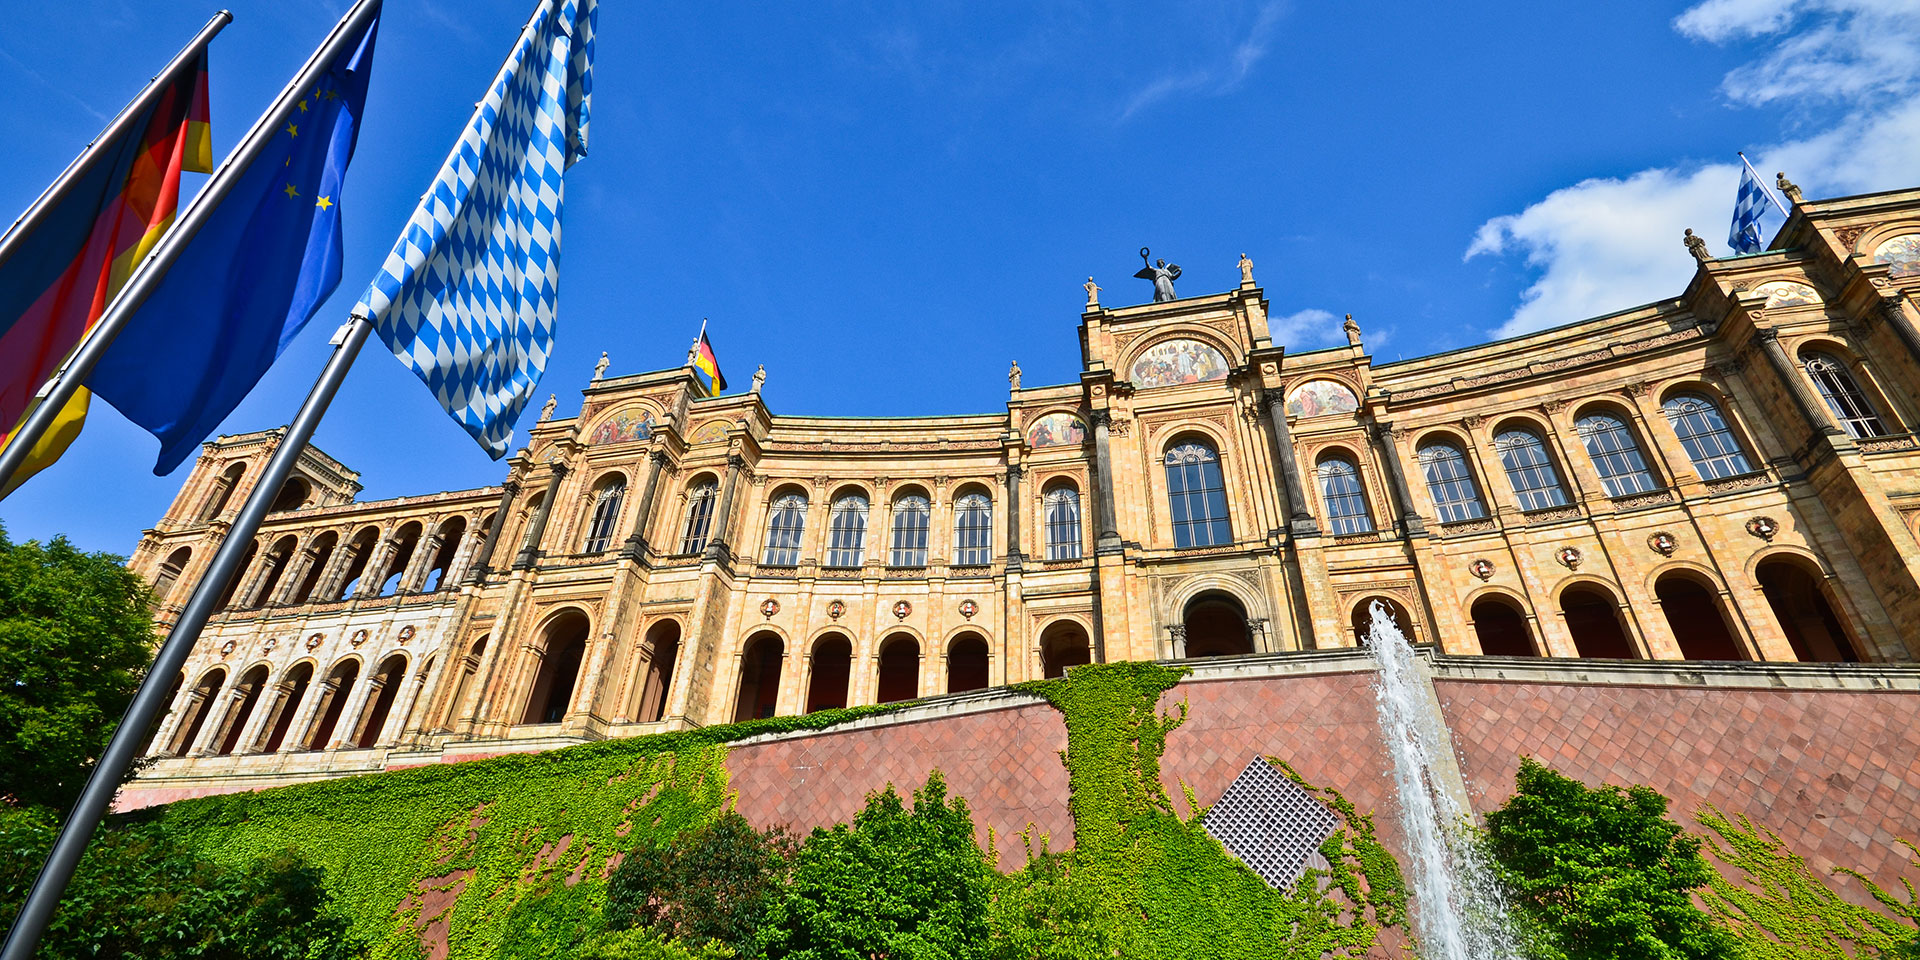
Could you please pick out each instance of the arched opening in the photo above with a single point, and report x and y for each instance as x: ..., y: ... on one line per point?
x: 333, y: 702
x: 832, y: 668
x: 604, y: 513
x: 199, y: 704
x: 759, y: 677
x: 967, y: 664
x: 420, y: 709
x: 240, y: 572
x: 566, y: 643
x: 359, y: 552
x: 322, y: 554
x: 469, y: 665
x: 1216, y: 626
x: 404, y: 543
x: 277, y: 561
x: 1063, y: 645
x: 1799, y: 601
x: 386, y: 686
x: 449, y: 534
x: 293, y: 689
x: 1694, y: 614
x: 251, y: 684
x: 153, y: 726
x: 292, y: 495
x: 899, y: 669
x: 169, y: 574
x: 222, y: 492
x: 1397, y: 615
x: 1593, y: 617
x: 663, y: 639
x: 1501, y: 629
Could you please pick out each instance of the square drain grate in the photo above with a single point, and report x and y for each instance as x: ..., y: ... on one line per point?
x: 1270, y: 823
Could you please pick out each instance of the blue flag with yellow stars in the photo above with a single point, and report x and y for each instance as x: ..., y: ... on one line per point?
x: 249, y: 280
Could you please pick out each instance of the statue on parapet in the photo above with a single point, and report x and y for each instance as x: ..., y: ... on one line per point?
x: 1787, y: 188
x: 1162, y: 274
x: 1353, y: 331
x: 759, y: 377
x: 1246, y: 271
x: 1696, y: 246
x: 1093, y: 293
x: 546, y: 410
x: 600, y: 369
x: 1013, y: 376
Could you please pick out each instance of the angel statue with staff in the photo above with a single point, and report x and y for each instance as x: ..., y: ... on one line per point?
x: 1162, y: 274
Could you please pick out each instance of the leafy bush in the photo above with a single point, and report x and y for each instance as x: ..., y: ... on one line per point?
x: 911, y: 886
x: 707, y: 884
x: 140, y: 893
x: 1600, y: 874
x: 1047, y: 911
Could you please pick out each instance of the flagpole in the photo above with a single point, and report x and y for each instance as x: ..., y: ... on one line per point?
x: 29, y: 221
x: 52, y: 398
x: 1777, y: 205
x: 104, y: 781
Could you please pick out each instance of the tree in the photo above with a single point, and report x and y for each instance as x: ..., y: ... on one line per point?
x: 707, y: 884
x: 76, y: 635
x: 910, y: 886
x: 1600, y: 874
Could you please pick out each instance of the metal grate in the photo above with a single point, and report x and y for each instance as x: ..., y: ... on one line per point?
x: 1270, y: 823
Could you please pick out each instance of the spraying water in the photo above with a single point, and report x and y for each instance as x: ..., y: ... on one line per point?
x: 1460, y: 912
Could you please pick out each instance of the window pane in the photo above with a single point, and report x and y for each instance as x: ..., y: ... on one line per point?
x: 1197, y: 496
x: 911, y: 518
x: 847, y: 532
x: 1616, y: 457
x: 1705, y: 436
x: 1340, y: 494
x: 786, y: 520
x: 699, y: 518
x: 606, y: 512
x: 1535, y: 483
x: 1063, y: 523
x: 1450, y: 484
x: 1845, y: 399
x: 973, y: 530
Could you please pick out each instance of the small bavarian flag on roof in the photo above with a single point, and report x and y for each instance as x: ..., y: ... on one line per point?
x: 701, y: 358
x: 468, y: 297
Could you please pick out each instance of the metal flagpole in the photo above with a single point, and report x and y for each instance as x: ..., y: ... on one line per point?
x: 104, y: 782
x: 53, y: 397
x: 1777, y: 205
x: 29, y: 221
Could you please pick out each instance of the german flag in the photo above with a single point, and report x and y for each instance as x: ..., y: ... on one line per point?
x: 59, y: 281
x: 705, y: 362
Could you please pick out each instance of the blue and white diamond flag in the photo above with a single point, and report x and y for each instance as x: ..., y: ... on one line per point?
x: 467, y: 298
x: 1748, y: 207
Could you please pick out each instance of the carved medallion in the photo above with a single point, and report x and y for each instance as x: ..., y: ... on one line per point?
x: 1482, y: 568
x: 836, y: 610
x: 268, y: 646
x: 226, y: 648
x: 406, y: 633
x: 359, y: 637
x: 1569, y: 557
x: 316, y: 640
x: 902, y: 609
x: 1763, y: 527
x: 769, y: 607
x: 968, y: 608
x: 1663, y: 543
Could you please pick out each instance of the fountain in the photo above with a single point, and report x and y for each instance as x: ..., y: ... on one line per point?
x: 1460, y: 912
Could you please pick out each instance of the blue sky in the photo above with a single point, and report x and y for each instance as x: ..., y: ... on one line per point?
x: 885, y: 203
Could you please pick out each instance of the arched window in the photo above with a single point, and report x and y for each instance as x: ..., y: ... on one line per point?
x: 972, y: 530
x: 606, y: 513
x: 847, y: 531
x: 449, y: 533
x: 1340, y: 494
x: 1704, y: 434
x: 1845, y: 399
x: 1616, y: 455
x: 786, y: 520
x: 1535, y: 483
x: 693, y: 537
x: 912, y: 517
x: 169, y: 574
x: 1450, y: 483
x: 223, y: 491
x: 292, y: 495
x: 1197, y: 496
x: 1062, y: 505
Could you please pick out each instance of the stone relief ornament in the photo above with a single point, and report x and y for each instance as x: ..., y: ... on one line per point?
x: 769, y: 607
x: 316, y: 640
x: 268, y: 646
x: 836, y: 610
x: 1482, y: 568
x: 359, y: 637
x: 226, y: 648
x: 1569, y: 557
x: 406, y: 633
x: 902, y: 609
x: 968, y: 608
x: 1663, y: 543
x: 1763, y: 527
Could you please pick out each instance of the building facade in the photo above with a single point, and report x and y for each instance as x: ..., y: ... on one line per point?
x: 1728, y: 475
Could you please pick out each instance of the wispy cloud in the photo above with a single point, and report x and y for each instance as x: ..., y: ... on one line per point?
x: 1225, y: 72
x: 35, y: 76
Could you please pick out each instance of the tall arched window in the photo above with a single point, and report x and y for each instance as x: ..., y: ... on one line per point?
x: 912, y: 517
x: 1704, y: 434
x: 847, y: 531
x: 1616, y: 455
x: 606, y: 512
x: 1530, y: 470
x: 169, y: 574
x: 1197, y: 495
x: 1340, y: 494
x: 1062, y: 504
x: 1450, y: 483
x: 786, y: 520
x: 972, y: 530
x: 1845, y: 399
x: 693, y: 538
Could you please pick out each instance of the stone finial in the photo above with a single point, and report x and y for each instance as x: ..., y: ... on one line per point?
x: 1788, y: 188
x: 546, y: 410
x: 600, y: 369
x: 1013, y: 376
x: 1246, y: 271
x: 1696, y: 246
x: 759, y: 377
x: 1353, y: 331
x: 1093, y: 293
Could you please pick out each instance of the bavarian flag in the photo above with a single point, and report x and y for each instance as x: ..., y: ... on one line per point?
x: 703, y: 361
x: 59, y: 281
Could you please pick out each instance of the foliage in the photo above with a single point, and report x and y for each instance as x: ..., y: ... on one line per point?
x: 710, y: 883
x: 911, y: 885
x: 1171, y: 890
x: 1781, y: 910
x: 1602, y: 873
x: 75, y: 638
x: 1047, y: 911
x: 140, y: 893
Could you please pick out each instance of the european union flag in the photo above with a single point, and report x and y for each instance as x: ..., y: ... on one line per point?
x: 250, y: 280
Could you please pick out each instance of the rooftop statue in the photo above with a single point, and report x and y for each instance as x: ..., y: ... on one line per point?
x: 600, y: 369
x: 1093, y: 292
x: 546, y: 410
x: 1013, y: 375
x: 1246, y: 271
x: 1696, y: 246
x: 1787, y: 187
x: 1352, y: 329
x: 1162, y: 274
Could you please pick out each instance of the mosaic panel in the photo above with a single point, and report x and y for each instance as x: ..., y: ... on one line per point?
x: 1787, y: 293
x: 1172, y: 362
x: 623, y: 427
x: 1903, y: 252
x: 1057, y: 430
x: 1320, y: 398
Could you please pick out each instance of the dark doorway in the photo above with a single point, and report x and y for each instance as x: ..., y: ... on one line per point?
x: 759, y: 678
x: 967, y: 664
x: 1216, y: 626
x: 1501, y: 629
x: 559, y: 668
x: 387, y: 682
x: 664, y: 640
x: 1362, y: 619
x: 293, y: 690
x: 252, y: 683
x: 1800, y: 605
x: 899, y: 669
x: 1694, y: 615
x: 333, y: 700
x: 1594, y: 620
x: 1063, y: 645
x: 832, y: 668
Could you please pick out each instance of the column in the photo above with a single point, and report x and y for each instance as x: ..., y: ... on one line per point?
x: 1107, y: 536
x: 397, y: 717
x: 636, y: 547
x: 300, y: 732
x: 1810, y: 405
x: 219, y: 707
x: 348, y: 729
x: 296, y: 572
x: 182, y: 705
x: 265, y: 564
x: 1014, y: 556
x: 507, y: 492
x: 1894, y: 309
x: 530, y: 551
x: 250, y: 734
x: 374, y: 573
x: 416, y: 574
x: 282, y: 702
x: 1300, y: 520
x: 1412, y: 523
x: 717, y: 534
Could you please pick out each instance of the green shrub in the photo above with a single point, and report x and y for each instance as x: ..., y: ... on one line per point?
x: 1048, y: 912
x: 1600, y: 874
x: 707, y: 884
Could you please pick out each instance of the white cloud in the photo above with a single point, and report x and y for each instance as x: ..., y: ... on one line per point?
x: 1307, y: 329
x: 1607, y: 244
x: 1232, y: 71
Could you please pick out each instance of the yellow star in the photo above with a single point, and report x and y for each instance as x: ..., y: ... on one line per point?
x: 323, y: 203
x: 290, y: 191
x: 330, y: 95
x: 292, y: 131
x: 302, y: 105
